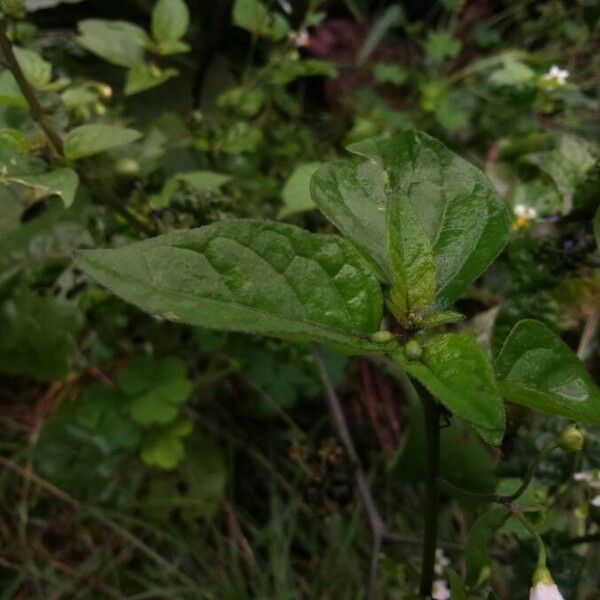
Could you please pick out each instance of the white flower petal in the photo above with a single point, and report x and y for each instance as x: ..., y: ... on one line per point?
x: 545, y: 591
x: 440, y: 590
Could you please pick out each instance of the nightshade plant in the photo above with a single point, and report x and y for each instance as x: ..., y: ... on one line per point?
x: 419, y: 224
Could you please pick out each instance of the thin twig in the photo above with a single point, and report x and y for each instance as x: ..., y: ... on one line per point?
x: 98, y: 189
x: 378, y: 528
x: 588, y: 335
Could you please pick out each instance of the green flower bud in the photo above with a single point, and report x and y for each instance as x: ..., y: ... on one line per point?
x: 382, y: 337
x: 571, y: 439
x: 413, y: 349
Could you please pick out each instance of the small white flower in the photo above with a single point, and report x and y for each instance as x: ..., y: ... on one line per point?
x: 285, y: 6
x: 299, y: 39
x: 440, y: 591
x: 543, y: 586
x: 595, y: 501
x: 583, y: 476
x: 545, y: 591
x: 441, y: 562
x: 557, y: 75
x: 524, y: 211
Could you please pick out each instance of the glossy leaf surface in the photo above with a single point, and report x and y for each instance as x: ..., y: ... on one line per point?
x: 464, y: 220
x: 242, y: 275
x: 411, y: 260
x: 456, y: 371
x: 537, y: 369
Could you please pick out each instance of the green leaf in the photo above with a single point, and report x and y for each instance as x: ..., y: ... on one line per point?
x: 255, y: 18
x: 170, y: 20
x: 477, y: 558
x: 49, y: 238
x: 290, y: 69
x: 118, y: 42
x: 537, y: 369
x: 441, y: 45
x: 37, y: 71
x: 457, y: 372
x: 62, y: 182
x: 207, y: 181
x: 88, y: 140
x: 76, y: 97
x: 161, y: 403
x: 410, y: 257
x: 567, y: 165
x: 242, y: 275
x: 10, y: 93
x: 296, y: 191
x: 37, y: 335
x: 203, y: 181
x: 390, y: 73
x: 464, y: 219
x: 457, y: 587
x: 157, y: 389
x: 464, y: 460
x: 164, y: 448
x: 102, y: 411
x: 144, y: 77
x: 197, y: 488
x: 597, y: 227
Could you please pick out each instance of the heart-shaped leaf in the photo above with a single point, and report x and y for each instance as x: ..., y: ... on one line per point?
x: 537, y: 369
x: 243, y: 275
x: 463, y: 218
x: 456, y: 371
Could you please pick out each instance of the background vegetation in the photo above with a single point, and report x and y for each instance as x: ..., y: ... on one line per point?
x: 145, y: 459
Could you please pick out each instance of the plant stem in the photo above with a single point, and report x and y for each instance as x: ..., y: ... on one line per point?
x: 37, y: 112
x: 518, y: 513
x: 98, y: 189
x: 432, y: 460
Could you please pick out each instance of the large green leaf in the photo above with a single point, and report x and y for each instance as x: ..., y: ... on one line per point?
x: 597, y: 227
x: 411, y: 260
x: 88, y: 140
x: 537, y: 369
x: 456, y: 371
x: 244, y: 275
x: 464, y: 219
x: 118, y: 42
